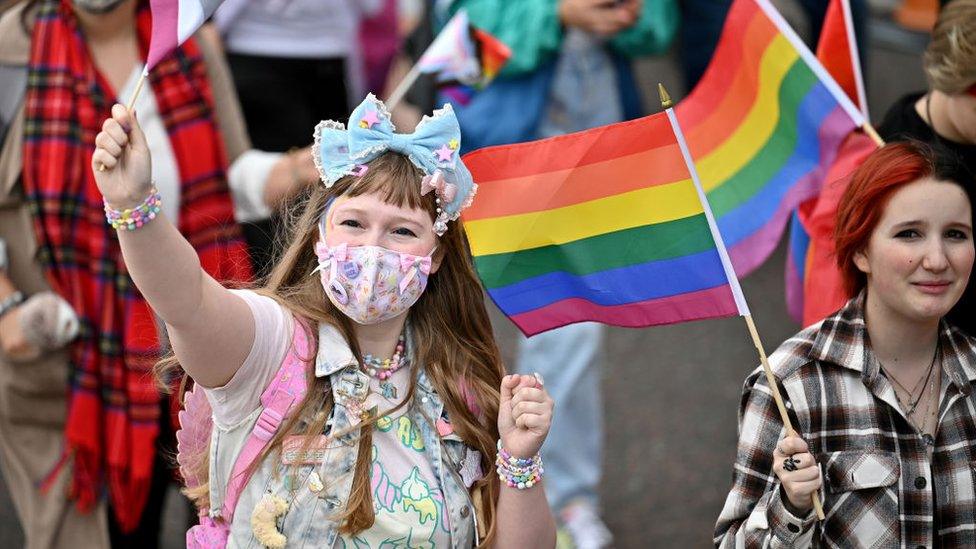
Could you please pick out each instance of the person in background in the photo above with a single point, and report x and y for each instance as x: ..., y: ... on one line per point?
x: 570, y: 70
x: 945, y: 114
x: 294, y: 63
x: 881, y: 392
x: 379, y: 40
x: 87, y: 421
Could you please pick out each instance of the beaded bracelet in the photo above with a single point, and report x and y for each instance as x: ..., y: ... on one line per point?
x: 521, y: 473
x: 133, y: 218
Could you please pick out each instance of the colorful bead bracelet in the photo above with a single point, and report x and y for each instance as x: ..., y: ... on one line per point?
x: 132, y: 218
x: 521, y: 473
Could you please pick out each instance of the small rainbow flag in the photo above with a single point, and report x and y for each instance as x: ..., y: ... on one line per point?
x: 464, y: 57
x: 604, y: 225
x: 173, y: 22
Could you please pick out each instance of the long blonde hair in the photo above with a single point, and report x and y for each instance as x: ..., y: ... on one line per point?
x: 452, y: 336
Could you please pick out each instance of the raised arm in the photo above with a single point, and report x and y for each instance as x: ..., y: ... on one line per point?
x: 210, y: 328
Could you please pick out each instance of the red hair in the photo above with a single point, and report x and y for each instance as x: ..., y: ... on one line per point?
x: 871, y: 186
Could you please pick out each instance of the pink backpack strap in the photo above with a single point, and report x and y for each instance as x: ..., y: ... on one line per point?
x: 285, y: 391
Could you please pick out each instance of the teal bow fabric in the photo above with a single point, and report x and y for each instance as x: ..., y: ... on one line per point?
x: 433, y: 147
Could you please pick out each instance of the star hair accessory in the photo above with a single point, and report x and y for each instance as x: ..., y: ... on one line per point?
x: 434, y: 147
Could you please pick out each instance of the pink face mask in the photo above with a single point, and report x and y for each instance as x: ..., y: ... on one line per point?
x: 371, y: 284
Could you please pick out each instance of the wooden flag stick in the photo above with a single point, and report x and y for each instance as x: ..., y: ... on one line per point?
x: 135, y: 94
x: 131, y: 104
x: 771, y: 380
x: 872, y: 133
x: 733, y: 279
x: 403, y: 87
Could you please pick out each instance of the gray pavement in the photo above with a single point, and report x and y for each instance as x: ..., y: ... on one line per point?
x: 671, y: 392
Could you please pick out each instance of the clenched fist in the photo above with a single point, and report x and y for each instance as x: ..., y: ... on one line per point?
x: 524, y: 414
x: 123, y: 167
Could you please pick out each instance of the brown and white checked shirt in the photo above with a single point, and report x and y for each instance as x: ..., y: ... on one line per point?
x: 881, y: 487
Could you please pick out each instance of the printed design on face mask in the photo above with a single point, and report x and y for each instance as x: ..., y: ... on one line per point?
x: 371, y: 284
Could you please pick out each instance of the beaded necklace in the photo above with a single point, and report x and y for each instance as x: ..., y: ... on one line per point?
x: 383, y: 369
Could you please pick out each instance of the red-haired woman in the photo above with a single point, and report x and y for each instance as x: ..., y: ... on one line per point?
x: 881, y: 393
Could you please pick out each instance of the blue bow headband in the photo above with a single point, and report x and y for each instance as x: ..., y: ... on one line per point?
x: 433, y: 147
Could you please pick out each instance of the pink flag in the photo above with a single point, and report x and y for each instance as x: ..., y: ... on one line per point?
x: 173, y: 22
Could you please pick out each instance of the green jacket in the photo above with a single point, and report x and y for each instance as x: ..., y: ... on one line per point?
x: 532, y: 29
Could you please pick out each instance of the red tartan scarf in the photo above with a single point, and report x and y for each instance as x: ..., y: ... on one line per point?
x: 114, y: 406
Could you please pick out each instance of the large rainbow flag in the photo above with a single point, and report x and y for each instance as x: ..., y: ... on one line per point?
x: 603, y: 225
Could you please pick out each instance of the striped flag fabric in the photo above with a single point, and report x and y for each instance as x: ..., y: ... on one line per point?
x: 492, y: 54
x: 604, y: 225
x: 173, y: 22
x: 763, y: 124
x: 600, y: 225
x: 811, y: 268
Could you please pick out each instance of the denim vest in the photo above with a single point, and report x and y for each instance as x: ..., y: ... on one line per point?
x: 310, y: 519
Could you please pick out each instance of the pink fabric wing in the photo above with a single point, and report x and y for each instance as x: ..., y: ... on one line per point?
x: 193, y: 437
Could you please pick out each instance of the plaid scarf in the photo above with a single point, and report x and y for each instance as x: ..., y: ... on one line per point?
x: 114, y: 406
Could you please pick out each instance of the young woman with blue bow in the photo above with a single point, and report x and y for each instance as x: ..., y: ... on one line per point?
x: 404, y: 428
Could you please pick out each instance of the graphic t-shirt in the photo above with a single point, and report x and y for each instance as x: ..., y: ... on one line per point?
x: 407, y: 497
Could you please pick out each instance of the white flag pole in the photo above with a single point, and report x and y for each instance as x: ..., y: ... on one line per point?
x: 733, y: 279
x: 818, y: 69
x: 862, y: 98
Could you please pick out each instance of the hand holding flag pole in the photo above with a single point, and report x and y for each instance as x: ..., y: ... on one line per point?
x: 173, y: 21
x: 733, y: 279
x: 132, y: 102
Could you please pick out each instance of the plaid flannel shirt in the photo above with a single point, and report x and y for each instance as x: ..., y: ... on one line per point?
x: 881, y: 487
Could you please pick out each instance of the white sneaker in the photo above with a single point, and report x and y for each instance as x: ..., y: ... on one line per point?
x: 581, y: 521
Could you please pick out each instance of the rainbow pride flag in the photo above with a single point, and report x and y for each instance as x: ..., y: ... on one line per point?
x: 763, y: 125
x: 603, y: 225
x: 599, y: 225
x: 810, y: 264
